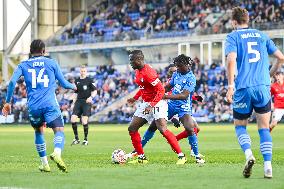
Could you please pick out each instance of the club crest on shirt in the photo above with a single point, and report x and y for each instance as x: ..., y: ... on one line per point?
x: 177, y: 88
x: 142, y: 80
x: 85, y: 87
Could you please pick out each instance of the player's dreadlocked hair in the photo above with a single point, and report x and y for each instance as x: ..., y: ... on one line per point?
x: 182, y: 59
x: 37, y: 46
x: 136, y: 54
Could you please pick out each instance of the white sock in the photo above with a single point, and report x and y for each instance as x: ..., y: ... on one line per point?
x: 248, y: 153
x: 180, y: 154
x: 267, y: 165
x: 44, y: 160
x: 57, y: 151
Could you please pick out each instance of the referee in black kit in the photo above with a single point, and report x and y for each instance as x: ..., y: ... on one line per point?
x: 86, y: 90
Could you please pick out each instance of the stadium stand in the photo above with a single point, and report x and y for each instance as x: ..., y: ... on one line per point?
x: 117, y: 20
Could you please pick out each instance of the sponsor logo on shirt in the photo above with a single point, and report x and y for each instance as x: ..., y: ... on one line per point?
x: 280, y: 95
x: 177, y: 88
x: 154, y: 83
x: 85, y: 87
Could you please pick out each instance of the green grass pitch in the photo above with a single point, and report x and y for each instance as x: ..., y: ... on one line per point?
x: 91, y: 167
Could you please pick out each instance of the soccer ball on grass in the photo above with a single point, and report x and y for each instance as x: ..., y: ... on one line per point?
x: 118, y: 156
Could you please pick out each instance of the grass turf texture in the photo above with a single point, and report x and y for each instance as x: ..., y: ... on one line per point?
x: 91, y: 167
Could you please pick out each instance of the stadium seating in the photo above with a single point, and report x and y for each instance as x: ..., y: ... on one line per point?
x: 128, y: 20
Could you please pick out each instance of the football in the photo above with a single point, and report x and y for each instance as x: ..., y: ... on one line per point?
x: 118, y: 156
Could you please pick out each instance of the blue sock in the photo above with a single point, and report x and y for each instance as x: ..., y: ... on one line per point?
x: 265, y: 144
x: 58, y: 142
x: 193, y: 141
x: 147, y: 136
x: 243, y: 137
x: 40, y: 144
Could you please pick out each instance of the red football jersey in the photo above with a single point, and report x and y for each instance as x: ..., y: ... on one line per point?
x: 148, y: 81
x: 277, y: 90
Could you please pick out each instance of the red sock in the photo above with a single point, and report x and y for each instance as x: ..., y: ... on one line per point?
x: 195, y: 130
x: 136, y: 141
x: 182, y: 135
x: 172, y: 141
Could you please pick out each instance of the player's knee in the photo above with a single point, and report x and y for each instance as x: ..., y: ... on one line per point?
x: 189, y: 130
x: 197, y: 129
x: 241, y: 122
x: 131, y: 128
x: 56, y: 129
x: 38, y: 129
x: 74, y: 119
x: 162, y: 129
x: 84, y: 120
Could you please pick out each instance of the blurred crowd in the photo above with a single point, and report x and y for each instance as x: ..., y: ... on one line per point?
x: 127, y: 19
x: 210, y: 84
x: 113, y: 85
x: 110, y: 83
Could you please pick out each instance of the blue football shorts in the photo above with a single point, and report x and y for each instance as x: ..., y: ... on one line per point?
x: 257, y: 98
x: 178, y: 109
x: 51, y: 115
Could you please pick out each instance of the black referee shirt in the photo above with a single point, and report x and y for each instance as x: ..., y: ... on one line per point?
x: 84, y: 87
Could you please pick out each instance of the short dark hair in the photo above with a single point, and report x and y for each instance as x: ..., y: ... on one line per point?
x: 278, y: 73
x: 37, y: 46
x: 241, y: 15
x: 182, y: 59
x: 171, y: 65
x: 136, y: 54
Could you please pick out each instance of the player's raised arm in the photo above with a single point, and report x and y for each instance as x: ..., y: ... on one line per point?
x: 63, y: 82
x: 16, y: 75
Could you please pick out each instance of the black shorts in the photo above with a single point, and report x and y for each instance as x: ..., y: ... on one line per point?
x: 82, y: 108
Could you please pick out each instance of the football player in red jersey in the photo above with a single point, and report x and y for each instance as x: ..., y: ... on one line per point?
x: 153, y: 108
x: 277, y: 91
x: 149, y: 134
